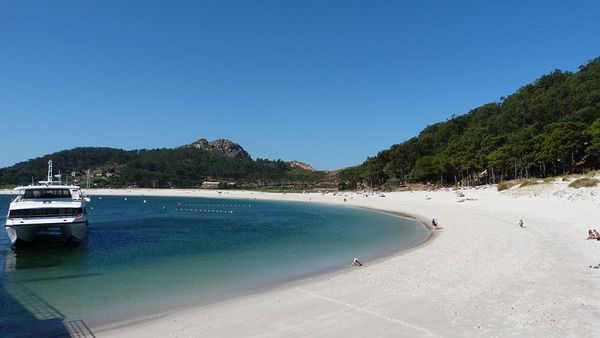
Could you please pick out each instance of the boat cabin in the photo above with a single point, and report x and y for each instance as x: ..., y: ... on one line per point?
x: 49, y: 192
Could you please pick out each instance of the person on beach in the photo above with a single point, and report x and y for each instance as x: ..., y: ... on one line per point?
x: 355, y: 262
x: 521, y: 223
x: 597, y: 235
x: 591, y: 234
x: 434, y: 223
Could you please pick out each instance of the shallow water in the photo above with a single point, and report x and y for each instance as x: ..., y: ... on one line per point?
x: 148, y: 255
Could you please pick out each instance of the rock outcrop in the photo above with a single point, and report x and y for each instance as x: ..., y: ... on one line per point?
x: 222, y: 146
x: 301, y: 165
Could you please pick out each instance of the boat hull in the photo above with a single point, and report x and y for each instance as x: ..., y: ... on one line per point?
x: 75, y: 231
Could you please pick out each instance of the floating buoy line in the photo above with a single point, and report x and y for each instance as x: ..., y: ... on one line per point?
x: 204, y: 210
x: 191, y: 207
x: 215, y: 205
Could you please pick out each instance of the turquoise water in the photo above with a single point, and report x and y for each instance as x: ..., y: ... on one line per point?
x: 143, y: 258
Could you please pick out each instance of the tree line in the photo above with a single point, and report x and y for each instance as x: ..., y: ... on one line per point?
x: 546, y: 128
x: 184, y: 167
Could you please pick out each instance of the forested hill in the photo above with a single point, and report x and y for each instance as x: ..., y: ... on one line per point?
x: 549, y: 127
x: 181, y: 167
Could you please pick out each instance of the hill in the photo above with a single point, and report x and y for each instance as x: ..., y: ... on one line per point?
x: 182, y: 167
x: 549, y: 127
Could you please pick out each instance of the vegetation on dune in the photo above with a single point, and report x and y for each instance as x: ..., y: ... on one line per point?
x: 585, y: 182
x: 546, y: 128
x: 505, y: 185
x: 527, y: 183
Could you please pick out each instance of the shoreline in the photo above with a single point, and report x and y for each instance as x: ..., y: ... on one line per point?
x: 484, y: 277
x: 126, y: 322
x: 199, y: 193
x: 322, y: 274
x: 267, y: 196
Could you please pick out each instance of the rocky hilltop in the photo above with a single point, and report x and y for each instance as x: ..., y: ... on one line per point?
x: 301, y: 165
x: 222, y: 146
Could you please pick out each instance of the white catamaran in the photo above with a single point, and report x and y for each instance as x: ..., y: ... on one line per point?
x: 49, y: 208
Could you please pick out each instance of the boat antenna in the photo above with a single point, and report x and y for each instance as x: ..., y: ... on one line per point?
x: 49, y: 171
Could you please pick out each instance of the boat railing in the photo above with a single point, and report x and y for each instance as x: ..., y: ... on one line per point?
x: 49, y: 200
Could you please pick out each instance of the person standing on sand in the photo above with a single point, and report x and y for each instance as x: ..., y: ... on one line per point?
x: 521, y: 223
x: 597, y: 235
x: 434, y: 224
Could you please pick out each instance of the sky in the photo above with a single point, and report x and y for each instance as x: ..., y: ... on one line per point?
x: 329, y: 83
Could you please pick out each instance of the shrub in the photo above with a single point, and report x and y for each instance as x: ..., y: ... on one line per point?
x: 585, y: 182
x: 505, y: 185
x: 528, y: 183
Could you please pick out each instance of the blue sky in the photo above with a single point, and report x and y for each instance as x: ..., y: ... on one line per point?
x: 325, y: 82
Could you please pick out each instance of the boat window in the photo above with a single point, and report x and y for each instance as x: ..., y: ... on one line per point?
x: 45, y: 212
x: 47, y: 193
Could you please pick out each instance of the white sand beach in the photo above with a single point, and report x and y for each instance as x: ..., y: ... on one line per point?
x: 480, y: 275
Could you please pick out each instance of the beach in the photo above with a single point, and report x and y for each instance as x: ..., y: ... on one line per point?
x: 480, y: 274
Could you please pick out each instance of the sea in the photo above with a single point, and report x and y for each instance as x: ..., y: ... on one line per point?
x: 144, y: 256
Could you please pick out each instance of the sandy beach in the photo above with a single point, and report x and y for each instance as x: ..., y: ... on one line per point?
x: 480, y: 274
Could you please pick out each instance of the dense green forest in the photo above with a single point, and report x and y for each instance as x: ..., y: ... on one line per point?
x: 159, y: 168
x: 546, y: 128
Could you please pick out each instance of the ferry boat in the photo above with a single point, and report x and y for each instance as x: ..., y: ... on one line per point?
x: 47, y: 209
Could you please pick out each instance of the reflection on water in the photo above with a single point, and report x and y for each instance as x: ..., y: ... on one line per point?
x: 32, y: 259
x: 42, y: 254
